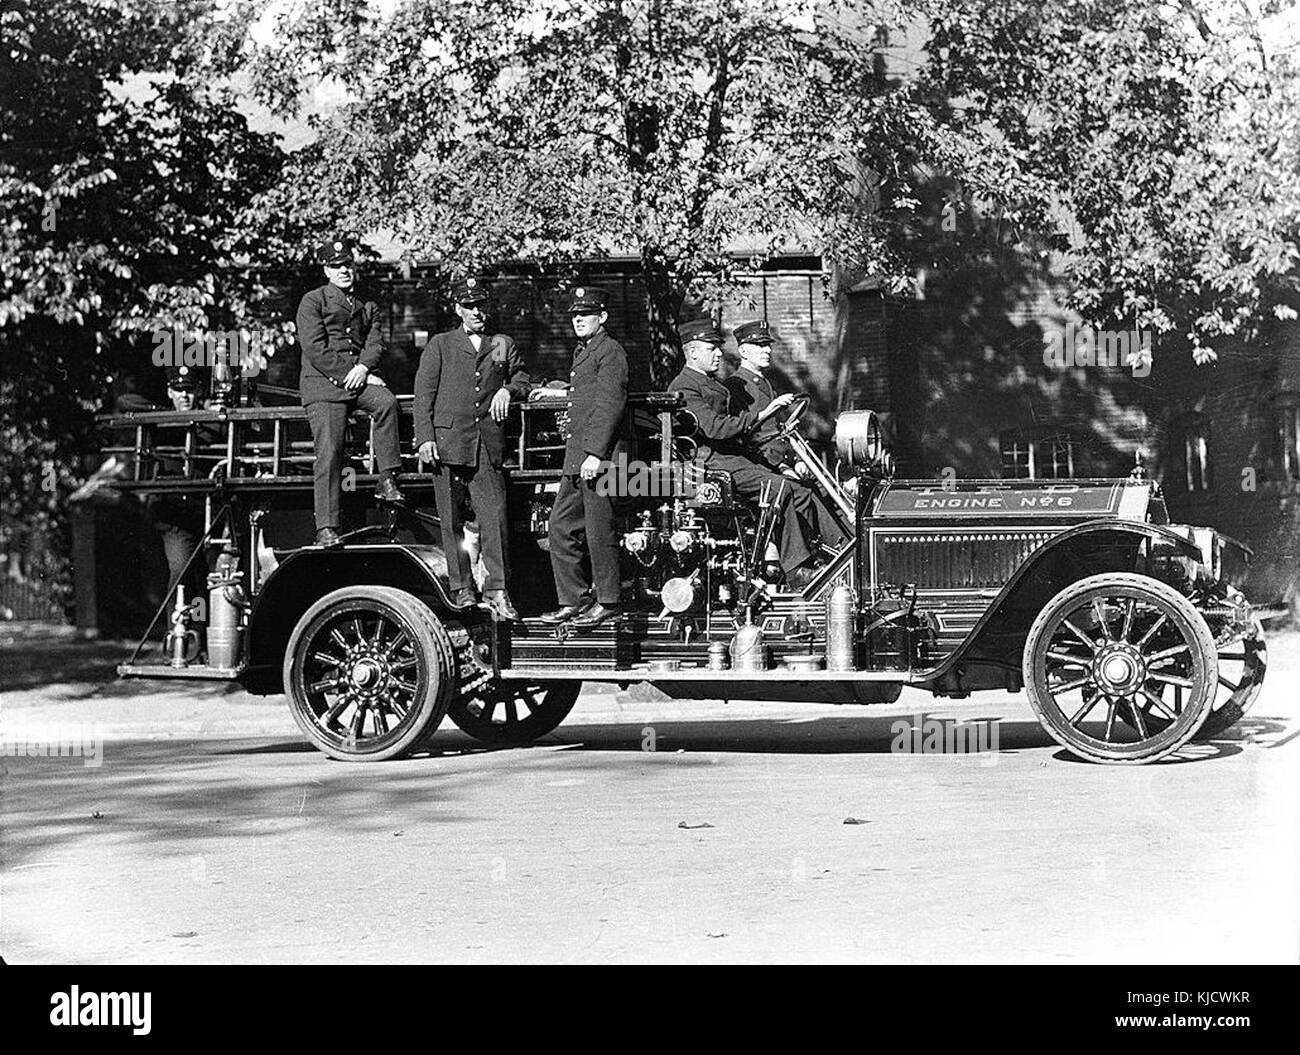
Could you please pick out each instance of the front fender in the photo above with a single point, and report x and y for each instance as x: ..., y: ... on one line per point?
x: 1074, y: 554
x: 310, y: 573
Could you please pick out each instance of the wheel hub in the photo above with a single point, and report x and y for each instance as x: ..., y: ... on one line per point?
x: 365, y: 675
x: 1118, y: 670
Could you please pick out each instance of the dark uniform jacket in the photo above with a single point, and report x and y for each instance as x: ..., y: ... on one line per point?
x: 334, y: 338
x: 751, y: 391
x: 454, y: 387
x: 598, y: 399
x: 722, y: 434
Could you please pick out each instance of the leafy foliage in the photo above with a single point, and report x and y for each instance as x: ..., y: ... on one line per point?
x: 123, y: 173
x: 1163, y: 137
x: 670, y: 130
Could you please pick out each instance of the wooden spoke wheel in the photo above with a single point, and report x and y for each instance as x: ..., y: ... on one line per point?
x: 1110, y: 650
x: 514, y: 712
x: 368, y: 673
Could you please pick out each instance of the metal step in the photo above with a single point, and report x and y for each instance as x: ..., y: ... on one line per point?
x: 192, y: 672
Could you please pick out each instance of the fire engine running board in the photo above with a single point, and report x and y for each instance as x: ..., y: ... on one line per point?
x: 631, y: 674
x: 194, y: 672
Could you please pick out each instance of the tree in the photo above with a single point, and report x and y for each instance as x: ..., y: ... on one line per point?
x: 1164, y: 138
x: 491, y: 130
x: 123, y: 173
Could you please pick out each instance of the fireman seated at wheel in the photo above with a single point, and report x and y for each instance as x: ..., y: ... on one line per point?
x: 769, y: 443
x: 721, y: 435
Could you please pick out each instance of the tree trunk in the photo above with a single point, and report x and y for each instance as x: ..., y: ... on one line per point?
x: 662, y: 302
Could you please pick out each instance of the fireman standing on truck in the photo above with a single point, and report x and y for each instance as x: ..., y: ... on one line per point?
x: 341, y: 346
x: 582, y: 512
x: 463, y: 388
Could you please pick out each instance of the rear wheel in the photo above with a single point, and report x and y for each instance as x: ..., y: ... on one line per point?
x: 514, y: 712
x: 1111, y: 649
x: 368, y: 673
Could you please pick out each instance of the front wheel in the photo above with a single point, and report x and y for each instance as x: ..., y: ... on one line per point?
x: 1110, y: 649
x: 368, y: 673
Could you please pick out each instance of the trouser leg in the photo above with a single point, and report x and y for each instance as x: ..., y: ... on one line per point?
x: 826, y: 522
x: 565, y: 534
x: 179, y: 541
x: 327, y: 421
x: 487, y: 494
x: 602, y: 544
x: 444, y: 497
x: 794, y: 546
x: 815, y: 514
x: 380, y: 403
x: 748, y: 482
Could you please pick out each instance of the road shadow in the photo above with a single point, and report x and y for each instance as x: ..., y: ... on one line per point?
x: 36, y: 663
x: 799, y: 736
x: 172, y: 794
x: 921, y: 733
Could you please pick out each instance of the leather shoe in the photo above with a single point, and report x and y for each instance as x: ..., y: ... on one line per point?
x: 328, y: 538
x: 564, y: 613
x: 464, y: 596
x: 595, y: 615
x: 499, y: 602
x: 386, y: 490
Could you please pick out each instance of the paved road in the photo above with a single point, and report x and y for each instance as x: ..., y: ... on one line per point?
x: 211, y: 833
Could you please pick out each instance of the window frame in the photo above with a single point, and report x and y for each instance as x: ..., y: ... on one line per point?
x: 1194, y: 447
x: 1034, y: 447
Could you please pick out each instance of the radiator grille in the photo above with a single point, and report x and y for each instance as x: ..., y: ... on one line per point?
x: 954, y: 560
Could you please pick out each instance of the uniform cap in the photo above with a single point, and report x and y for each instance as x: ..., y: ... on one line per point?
x: 184, y: 378
x: 699, y: 330
x: 334, y: 251
x: 756, y: 332
x: 588, y: 298
x: 471, y: 290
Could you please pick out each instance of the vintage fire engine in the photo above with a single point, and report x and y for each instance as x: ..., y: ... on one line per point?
x: 1122, y: 628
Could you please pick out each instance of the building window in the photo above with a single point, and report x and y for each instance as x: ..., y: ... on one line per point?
x: 1017, y: 456
x: 1037, y: 454
x: 1288, y: 437
x: 1194, y: 448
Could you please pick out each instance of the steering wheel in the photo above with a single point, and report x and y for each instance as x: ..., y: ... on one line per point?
x: 798, y: 408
